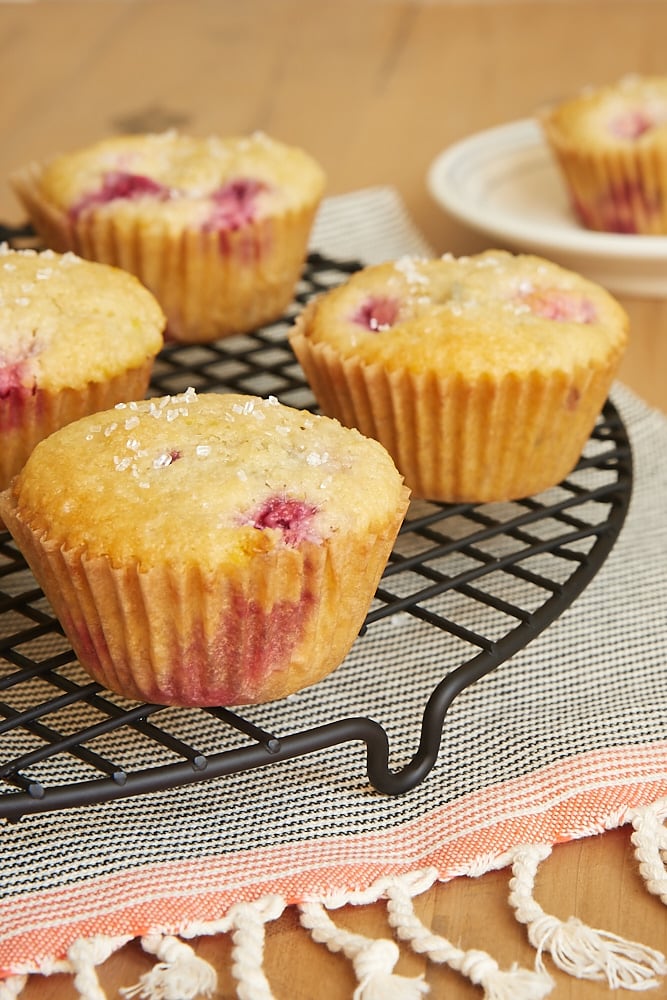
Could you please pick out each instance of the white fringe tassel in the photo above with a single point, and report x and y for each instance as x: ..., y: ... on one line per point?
x: 12, y: 987
x: 577, y: 949
x: 650, y: 840
x: 178, y: 975
x: 373, y: 960
x: 84, y: 955
x: 248, y: 934
x: 477, y: 966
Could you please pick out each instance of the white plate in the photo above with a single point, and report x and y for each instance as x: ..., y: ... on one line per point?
x: 505, y: 183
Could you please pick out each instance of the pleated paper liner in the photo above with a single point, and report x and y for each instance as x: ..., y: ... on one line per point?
x: 456, y: 440
x: 176, y: 634
x: 28, y: 417
x: 210, y: 284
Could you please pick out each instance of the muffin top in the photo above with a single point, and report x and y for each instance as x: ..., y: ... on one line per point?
x: 210, y: 182
x: 487, y: 315
x: 204, y: 479
x: 67, y: 322
x: 632, y: 111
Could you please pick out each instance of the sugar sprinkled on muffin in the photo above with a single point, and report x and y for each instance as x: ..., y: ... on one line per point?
x: 217, y: 228
x: 208, y: 549
x: 482, y: 376
x: 75, y: 337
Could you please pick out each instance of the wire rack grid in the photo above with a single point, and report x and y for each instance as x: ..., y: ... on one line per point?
x: 513, y: 568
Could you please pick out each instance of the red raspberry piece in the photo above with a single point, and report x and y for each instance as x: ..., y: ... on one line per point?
x: 552, y: 303
x: 631, y: 124
x: 15, y: 387
x: 377, y: 313
x: 121, y: 185
x: 291, y: 516
x: 14, y: 375
x: 234, y: 204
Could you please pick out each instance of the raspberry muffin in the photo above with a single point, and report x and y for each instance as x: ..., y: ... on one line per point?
x: 482, y: 376
x: 207, y: 549
x: 75, y: 337
x: 610, y: 144
x: 216, y: 228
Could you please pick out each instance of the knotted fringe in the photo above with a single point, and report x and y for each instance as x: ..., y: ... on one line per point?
x: 650, y: 840
x: 12, y: 987
x: 373, y: 960
x: 248, y: 923
x: 84, y: 956
x: 179, y: 974
x: 477, y: 966
x: 577, y: 949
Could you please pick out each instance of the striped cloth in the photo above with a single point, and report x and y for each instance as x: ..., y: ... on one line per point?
x: 565, y: 740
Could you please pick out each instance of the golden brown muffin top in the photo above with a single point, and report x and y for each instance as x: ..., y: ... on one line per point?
x: 67, y: 322
x: 491, y: 314
x: 204, y: 479
x: 631, y: 112
x: 186, y: 180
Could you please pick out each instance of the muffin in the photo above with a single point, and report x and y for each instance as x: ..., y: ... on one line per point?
x: 75, y: 337
x: 216, y: 228
x: 207, y: 549
x: 482, y: 376
x: 610, y: 144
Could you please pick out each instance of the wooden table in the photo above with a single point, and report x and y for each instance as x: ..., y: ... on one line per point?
x: 375, y: 89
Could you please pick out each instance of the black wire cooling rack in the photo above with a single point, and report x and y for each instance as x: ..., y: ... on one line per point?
x: 520, y: 564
